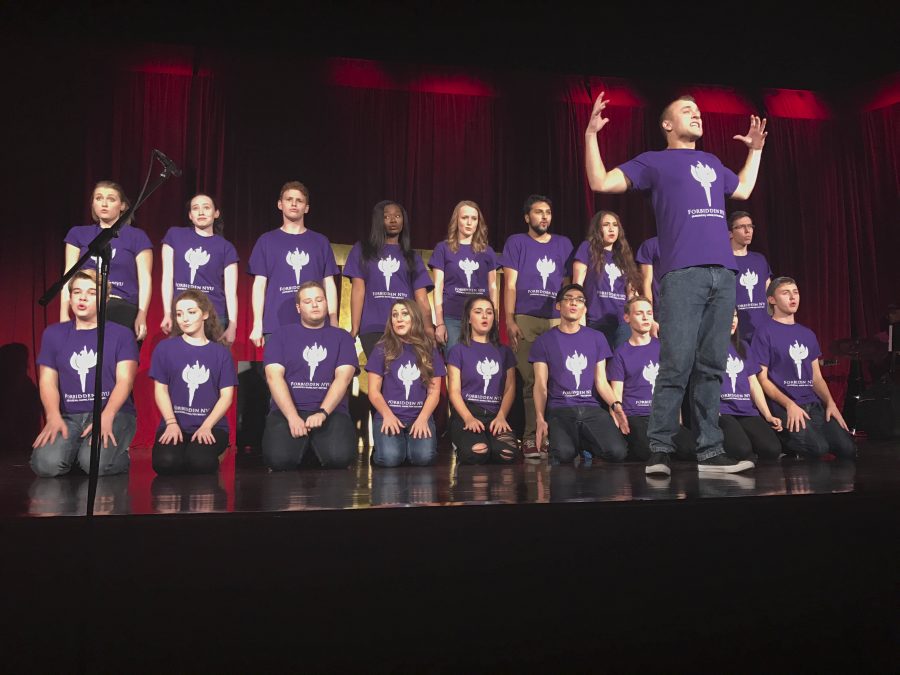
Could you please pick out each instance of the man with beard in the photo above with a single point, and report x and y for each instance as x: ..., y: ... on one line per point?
x: 536, y: 264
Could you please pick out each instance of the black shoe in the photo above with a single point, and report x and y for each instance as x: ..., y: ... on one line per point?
x: 658, y: 463
x: 724, y: 464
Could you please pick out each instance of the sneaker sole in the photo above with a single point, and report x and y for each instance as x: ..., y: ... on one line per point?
x: 532, y: 454
x: 744, y: 465
x: 658, y: 468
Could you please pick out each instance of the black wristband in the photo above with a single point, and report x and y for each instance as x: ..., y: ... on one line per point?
x: 612, y: 406
x: 323, y: 411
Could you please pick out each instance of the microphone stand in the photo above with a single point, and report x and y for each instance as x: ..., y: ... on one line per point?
x: 100, y: 248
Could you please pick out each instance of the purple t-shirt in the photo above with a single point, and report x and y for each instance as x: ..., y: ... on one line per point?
x: 788, y: 351
x: 387, y: 280
x: 288, y: 260
x: 571, y: 360
x: 735, y: 396
x: 122, y: 267
x: 648, y: 254
x: 688, y: 190
x: 309, y: 357
x: 605, y: 290
x: 199, y: 262
x: 194, y: 375
x: 402, y: 386
x: 636, y: 368
x: 482, y: 372
x: 540, y: 268
x: 465, y: 274
x: 753, y: 271
x: 73, y: 355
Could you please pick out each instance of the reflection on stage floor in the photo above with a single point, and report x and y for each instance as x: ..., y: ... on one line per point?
x: 251, y: 488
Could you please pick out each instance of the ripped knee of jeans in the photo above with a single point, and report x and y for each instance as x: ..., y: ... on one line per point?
x: 480, y: 448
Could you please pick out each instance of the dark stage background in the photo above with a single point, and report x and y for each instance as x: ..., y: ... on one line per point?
x: 358, y: 131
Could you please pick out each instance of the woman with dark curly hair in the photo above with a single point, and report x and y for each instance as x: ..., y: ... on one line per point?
x: 604, y: 265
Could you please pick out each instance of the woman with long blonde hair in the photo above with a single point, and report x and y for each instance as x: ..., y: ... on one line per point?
x: 464, y: 265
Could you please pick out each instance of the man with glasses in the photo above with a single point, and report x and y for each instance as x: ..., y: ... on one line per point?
x: 569, y: 366
x: 753, y: 276
x: 536, y: 264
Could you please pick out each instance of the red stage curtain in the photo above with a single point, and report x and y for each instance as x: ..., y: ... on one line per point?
x: 357, y: 132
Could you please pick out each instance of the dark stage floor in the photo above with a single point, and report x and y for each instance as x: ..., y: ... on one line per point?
x: 248, y: 487
x: 537, y: 569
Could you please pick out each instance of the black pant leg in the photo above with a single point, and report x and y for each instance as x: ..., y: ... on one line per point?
x: 737, y: 443
x: 335, y: 441
x: 203, y: 458
x: 281, y: 451
x: 762, y: 436
x: 637, y: 439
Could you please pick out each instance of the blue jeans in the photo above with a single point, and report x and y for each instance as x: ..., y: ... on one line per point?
x: 452, y: 325
x: 819, y: 437
x: 696, y: 305
x: 56, y: 458
x: 392, y: 450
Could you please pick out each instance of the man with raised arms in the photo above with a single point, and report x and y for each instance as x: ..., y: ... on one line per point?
x: 688, y: 188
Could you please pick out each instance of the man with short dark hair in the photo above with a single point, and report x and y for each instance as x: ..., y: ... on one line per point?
x: 569, y: 365
x: 788, y: 354
x: 536, y: 264
x: 753, y: 275
x: 309, y: 367
x: 697, y: 293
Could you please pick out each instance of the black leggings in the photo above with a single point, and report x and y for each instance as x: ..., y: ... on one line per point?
x: 368, y: 342
x: 334, y: 442
x: 188, y: 456
x: 500, y: 449
x: 639, y: 442
x: 748, y: 434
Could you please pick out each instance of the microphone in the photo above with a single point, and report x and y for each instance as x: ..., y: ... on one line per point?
x: 167, y: 163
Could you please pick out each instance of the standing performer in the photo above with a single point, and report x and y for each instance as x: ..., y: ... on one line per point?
x: 464, y: 265
x: 200, y: 257
x: 536, y: 264
x: 195, y: 380
x: 753, y: 276
x: 382, y: 270
x: 129, y: 267
x: 605, y: 267
x: 68, y: 362
x: 697, y: 295
x: 282, y: 260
